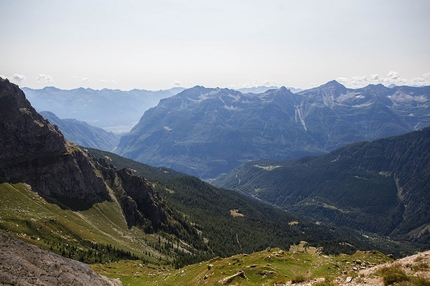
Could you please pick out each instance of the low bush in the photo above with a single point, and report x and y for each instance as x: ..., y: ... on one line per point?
x: 298, y: 279
x: 393, y: 274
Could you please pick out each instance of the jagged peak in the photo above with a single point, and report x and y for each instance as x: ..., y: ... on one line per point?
x: 284, y: 89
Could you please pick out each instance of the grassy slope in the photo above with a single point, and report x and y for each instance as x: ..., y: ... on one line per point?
x: 261, y: 268
x: 71, y: 233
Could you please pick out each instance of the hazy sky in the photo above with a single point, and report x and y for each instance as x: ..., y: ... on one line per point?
x: 162, y: 43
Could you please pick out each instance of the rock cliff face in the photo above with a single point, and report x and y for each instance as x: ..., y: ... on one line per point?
x: 148, y: 202
x: 35, y: 152
x: 141, y: 205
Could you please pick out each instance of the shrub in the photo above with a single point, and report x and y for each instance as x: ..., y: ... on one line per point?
x: 420, y: 281
x: 298, y: 279
x: 393, y: 274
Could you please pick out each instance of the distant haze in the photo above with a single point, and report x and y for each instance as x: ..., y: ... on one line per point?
x: 236, y: 44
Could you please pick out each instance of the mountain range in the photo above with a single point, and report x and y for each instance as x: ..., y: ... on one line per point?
x: 77, y: 203
x: 206, y: 132
x: 113, y: 110
x: 83, y: 134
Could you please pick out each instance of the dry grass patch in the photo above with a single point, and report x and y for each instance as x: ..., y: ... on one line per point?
x: 236, y: 213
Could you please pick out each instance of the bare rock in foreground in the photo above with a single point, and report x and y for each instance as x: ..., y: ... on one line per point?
x: 25, y: 264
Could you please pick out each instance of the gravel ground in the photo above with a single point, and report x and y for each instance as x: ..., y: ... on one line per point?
x: 25, y: 264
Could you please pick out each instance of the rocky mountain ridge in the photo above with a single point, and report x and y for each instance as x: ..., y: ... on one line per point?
x: 208, y: 131
x: 36, y: 153
x: 111, y: 109
x: 83, y: 134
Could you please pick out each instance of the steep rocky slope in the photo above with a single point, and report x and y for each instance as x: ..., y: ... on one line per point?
x: 25, y: 264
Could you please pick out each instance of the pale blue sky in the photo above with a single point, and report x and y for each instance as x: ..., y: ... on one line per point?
x: 162, y: 43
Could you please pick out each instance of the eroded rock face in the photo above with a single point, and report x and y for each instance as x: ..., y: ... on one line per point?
x: 148, y: 202
x: 25, y: 264
x: 35, y: 152
x: 24, y: 133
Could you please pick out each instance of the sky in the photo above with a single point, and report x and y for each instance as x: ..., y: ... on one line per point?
x: 160, y: 44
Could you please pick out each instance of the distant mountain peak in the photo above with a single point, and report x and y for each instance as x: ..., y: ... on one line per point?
x: 333, y: 84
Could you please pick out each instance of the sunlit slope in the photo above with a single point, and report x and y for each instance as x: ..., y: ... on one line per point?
x: 90, y: 235
x: 268, y: 267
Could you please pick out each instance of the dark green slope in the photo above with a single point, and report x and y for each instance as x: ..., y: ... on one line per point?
x: 381, y: 186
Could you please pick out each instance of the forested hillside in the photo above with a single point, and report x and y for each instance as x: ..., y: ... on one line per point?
x: 380, y: 186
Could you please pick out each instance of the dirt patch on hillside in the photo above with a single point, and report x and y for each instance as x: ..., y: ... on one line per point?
x: 236, y: 213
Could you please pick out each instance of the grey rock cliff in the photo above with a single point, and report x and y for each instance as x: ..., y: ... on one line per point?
x: 34, y: 151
